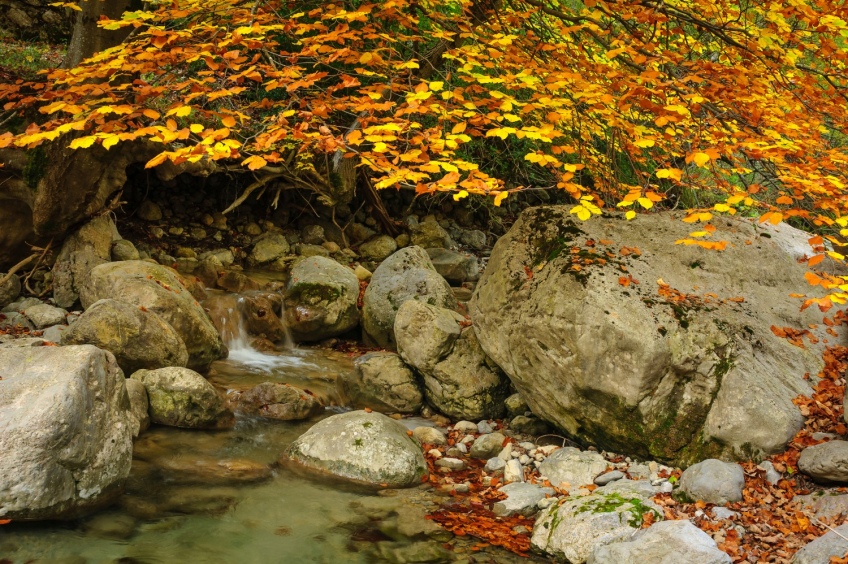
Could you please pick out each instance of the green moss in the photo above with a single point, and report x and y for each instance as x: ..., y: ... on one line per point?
x: 609, y: 503
x: 36, y: 166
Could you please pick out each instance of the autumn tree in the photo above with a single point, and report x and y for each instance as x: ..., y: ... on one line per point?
x: 719, y: 106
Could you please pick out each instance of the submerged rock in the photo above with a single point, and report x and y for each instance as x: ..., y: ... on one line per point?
x: 279, y: 401
x: 137, y: 337
x: 321, y: 298
x: 180, y: 397
x: 66, y: 439
x: 368, y: 448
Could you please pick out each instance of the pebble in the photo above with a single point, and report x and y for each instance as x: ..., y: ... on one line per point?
x: 450, y: 463
x: 527, y: 446
x: 666, y: 487
x: 524, y: 459
x: 494, y: 464
x: 506, y: 453
x: 484, y: 427
x: 435, y: 453
x: 772, y: 475
x: 605, y: 479
x: 466, y: 427
x: 513, y: 472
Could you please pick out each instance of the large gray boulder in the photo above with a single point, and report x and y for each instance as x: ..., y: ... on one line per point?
x: 138, y: 338
x: 826, y: 462
x: 662, y: 369
x: 9, y: 289
x: 425, y: 334
x: 321, y: 298
x: 162, y: 291
x: 713, y: 481
x: 65, y: 431
x: 382, y: 382
x: 819, y: 551
x: 666, y: 542
x: 368, y: 448
x: 180, y: 397
x: 406, y: 275
x: 90, y: 246
x: 573, y: 530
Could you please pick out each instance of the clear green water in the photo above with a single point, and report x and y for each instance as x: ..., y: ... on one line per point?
x: 179, y: 507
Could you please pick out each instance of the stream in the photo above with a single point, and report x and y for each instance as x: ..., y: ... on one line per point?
x: 181, y: 505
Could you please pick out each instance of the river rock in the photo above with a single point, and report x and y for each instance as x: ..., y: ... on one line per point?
x: 124, y: 250
x: 663, y: 542
x: 575, y: 529
x: 45, y: 315
x: 82, y: 251
x: 363, y: 447
x: 820, y: 550
x: 321, y: 298
x: 824, y: 504
x: 453, y: 266
x: 430, y: 436
x: 275, y: 400
x: 9, y: 290
x: 522, y: 499
x: 236, y: 282
x: 425, y: 334
x: 268, y: 248
x: 312, y: 234
x: 575, y: 467
x: 182, y: 468
x: 162, y: 291
x: 382, y: 382
x: 260, y: 314
x: 406, y: 275
x: 486, y: 446
x: 180, y: 397
x: 662, y: 371
x: 826, y: 462
x: 378, y: 248
x: 466, y: 384
x: 149, y: 211
x: 12, y: 319
x: 430, y: 234
x: 138, y: 338
x: 66, y: 433
x: 713, y: 481
x: 139, y: 406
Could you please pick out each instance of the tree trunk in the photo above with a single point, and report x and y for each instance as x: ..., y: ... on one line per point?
x: 88, y: 38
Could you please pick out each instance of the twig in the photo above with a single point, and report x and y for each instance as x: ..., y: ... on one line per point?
x: 17, y: 267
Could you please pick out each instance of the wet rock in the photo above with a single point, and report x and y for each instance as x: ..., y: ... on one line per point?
x: 575, y: 529
x: 259, y: 313
x: 279, y: 401
x: 826, y: 462
x: 9, y: 290
x: 454, y: 266
x: 378, y: 248
x: 124, y: 250
x: 406, y: 275
x: 110, y: 526
x: 425, y: 334
x: 138, y: 338
x: 713, y: 481
x: 208, y: 470
x: 573, y: 466
x: 522, y: 499
x: 831, y: 544
x: 667, y: 541
x: 236, y: 282
x: 321, y: 298
x: 139, y: 406
x: 180, y: 397
x: 89, y: 247
x: 45, y: 315
x: 149, y: 211
x: 487, y: 446
x: 269, y: 248
x: 363, y: 447
x: 201, y: 500
x: 382, y: 382
x: 430, y: 235
x: 66, y: 440
x: 164, y: 292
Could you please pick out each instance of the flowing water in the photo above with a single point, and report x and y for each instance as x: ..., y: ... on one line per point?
x: 182, y: 504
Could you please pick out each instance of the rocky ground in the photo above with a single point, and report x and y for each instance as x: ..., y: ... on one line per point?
x: 565, y: 346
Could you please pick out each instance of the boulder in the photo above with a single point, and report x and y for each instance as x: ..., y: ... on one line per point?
x: 66, y: 432
x: 453, y: 266
x: 162, y: 291
x: 406, y: 275
x: 486, y: 446
x: 90, y: 246
x: 425, y: 334
x: 429, y: 235
x: 831, y: 544
x: 268, y: 248
x: 678, y: 367
x: 275, y: 400
x: 139, y: 406
x: 45, y: 315
x: 713, y: 481
x: 575, y: 467
x: 826, y: 462
x: 9, y: 289
x: 466, y: 384
x: 124, y: 250
x: 666, y: 542
x: 378, y: 247
x: 362, y: 447
x: 321, y: 298
x: 382, y: 382
x: 137, y: 337
x: 180, y: 397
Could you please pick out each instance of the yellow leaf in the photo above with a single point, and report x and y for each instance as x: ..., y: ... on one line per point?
x: 700, y: 159
x: 500, y: 197
x: 674, y: 173
x: 645, y: 203
x: 459, y: 128
x: 460, y: 195
x: 380, y: 147
x: 110, y: 141
x: 582, y: 213
x: 365, y: 58
x: 228, y: 121
x: 630, y: 215
x: 255, y: 162
x: 195, y: 128
x: 152, y: 114
x: 83, y: 142
x: 437, y: 85
x: 644, y: 143
x: 721, y: 207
